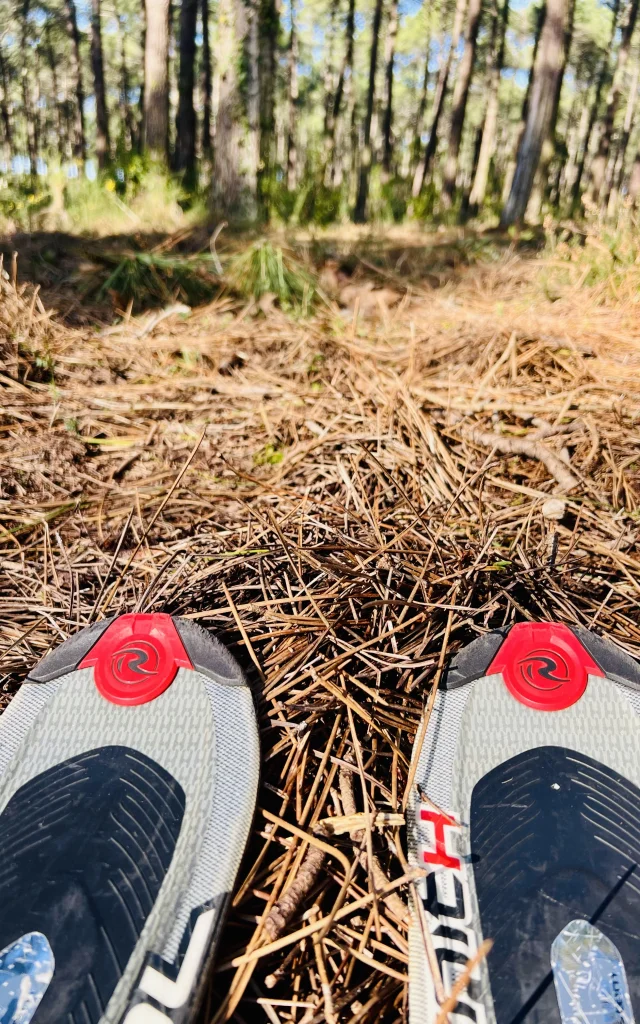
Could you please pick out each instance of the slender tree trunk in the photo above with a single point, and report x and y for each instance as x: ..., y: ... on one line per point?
x: 589, y: 132
x: 360, y: 211
x: 156, y: 79
x: 575, y: 144
x: 268, y: 30
x: 599, y: 165
x: 487, y: 146
x: 127, y: 119
x: 389, y: 60
x: 185, y: 156
x: 542, y: 184
x: 416, y: 143
x: 460, y: 96
x: 51, y: 61
x: 206, y: 81
x: 4, y: 104
x: 80, y: 146
x: 547, y: 68
x: 328, y: 77
x: 621, y: 152
x: 230, y: 154
x: 422, y: 170
x: 103, y: 144
x: 519, y: 132
x: 343, y: 89
x: 292, y: 152
x: 32, y: 128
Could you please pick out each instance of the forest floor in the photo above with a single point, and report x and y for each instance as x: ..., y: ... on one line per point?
x: 345, y: 499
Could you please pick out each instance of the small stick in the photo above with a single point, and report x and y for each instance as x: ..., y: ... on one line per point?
x: 451, y: 1001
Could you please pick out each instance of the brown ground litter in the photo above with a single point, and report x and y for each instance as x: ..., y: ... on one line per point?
x: 327, y: 497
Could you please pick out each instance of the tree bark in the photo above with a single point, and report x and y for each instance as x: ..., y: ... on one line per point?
x: 459, y: 104
x: 103, y: 145
x: 230, y: 161
x: 268, y: 30
x: 389, y: 61
x: 547, y: 68
x: 292, y: 152
x: 4, y: 104
x: 623, y: 144
x: 416, y: 144
x: 80, y: 144
x: 343, y: 90
x: 185, y: 157
x: 599, y: 165
x: 542, y: 184
x: 423, y: 168
x: 156, y: 80
x: 360, y: 212
x: 487, y: 146
x: 206, y: 140
x: 511, y: 166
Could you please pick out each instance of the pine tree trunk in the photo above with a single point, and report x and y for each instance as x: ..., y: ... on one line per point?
x: 623, y: 144
x: 328, y: 78
x: 206, y: 82
x: 487, y: 146
x: 80, y: 146
x: 292, y: 153
x: 542, y: 183
x: 156, y: 79
x: 575, y: 197
x: 103, y: 145
x: 389, y: 60
x: 599, y: 165
x: 416, y: 143
x: 185, y: 157
x: 459, y: 103
x: 127, y: 120
x: 343, y: 91
x: 519, y: 132
x: 423, y: 168
x: 548, y: 67
x: 230, y: 161
x: 4, y: 104
x: 268, y: 31
x: 360, y: 211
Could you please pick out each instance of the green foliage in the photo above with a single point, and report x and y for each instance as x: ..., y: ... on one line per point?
x: 151, y: 278
x: 21, y: 198
x: 264, y: 269
x: 312, y: 202
x: 423, y: 206
x: 268, y: 456
x: 140, y: 198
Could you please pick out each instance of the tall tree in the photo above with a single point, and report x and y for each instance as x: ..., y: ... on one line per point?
x: 488, y: 143
x: 185, y: 156
x: 360, y: 211
x: 268, y: 30
x: 292, y: 105
x: 156, y: 79
x: 389, y: 61
x: 599, y: 165
x: 595, y: 106
x: 230, y: 150
x: 343, y: 86
x: 460, y: 96
x: 103, y: 145
x: 618, y: 160
x: 547, y: 68
x: 422, y: 171
x: 422, y: 103
x: 206, y: 82
x: 542, y: 182
x: 80, y: 147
